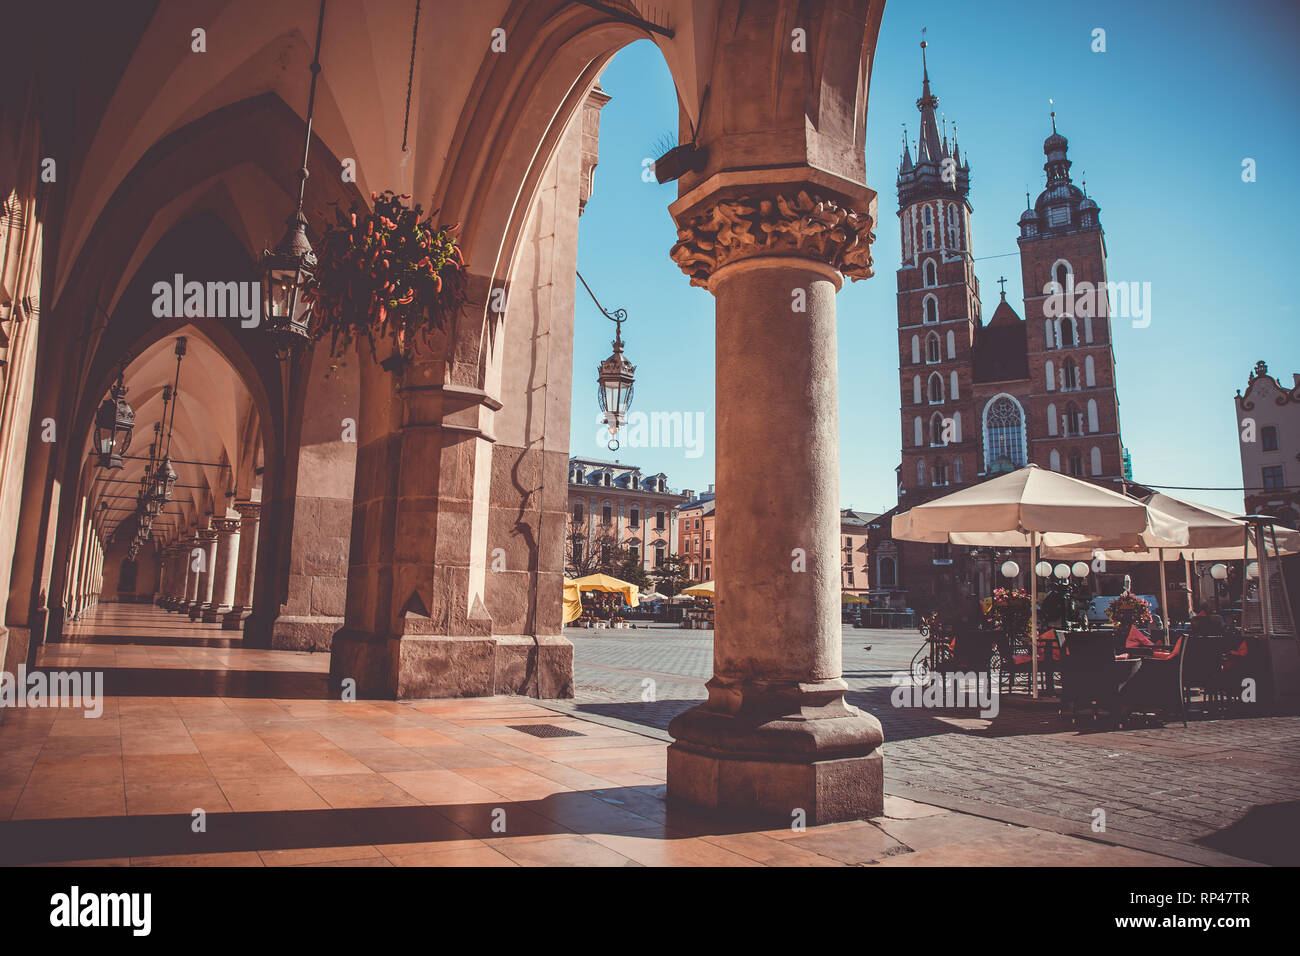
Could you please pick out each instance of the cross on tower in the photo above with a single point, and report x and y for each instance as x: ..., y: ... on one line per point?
x: 1002, y: 281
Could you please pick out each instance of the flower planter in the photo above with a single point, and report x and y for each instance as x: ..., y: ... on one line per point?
x: 390, y: 273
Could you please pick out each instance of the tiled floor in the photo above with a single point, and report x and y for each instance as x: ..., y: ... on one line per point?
x: 223, y: 770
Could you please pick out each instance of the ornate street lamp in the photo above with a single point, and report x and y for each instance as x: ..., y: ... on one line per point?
x: 114, y: 423
x: 615, y: 376
x: 285, y: 314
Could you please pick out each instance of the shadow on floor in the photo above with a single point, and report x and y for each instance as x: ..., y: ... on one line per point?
x: 611, y: 811
x: 54, y: 646
x: 186, y: 682
x: 1266, y: 834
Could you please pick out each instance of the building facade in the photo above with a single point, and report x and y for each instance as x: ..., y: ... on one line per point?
x: 977, y: 398
x: 1268, y: 427
x: 856, y: 567
x: 696, y: 525
x: 614, y: 510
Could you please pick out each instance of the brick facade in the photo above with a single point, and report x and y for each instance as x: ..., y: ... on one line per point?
x: 980, y: 398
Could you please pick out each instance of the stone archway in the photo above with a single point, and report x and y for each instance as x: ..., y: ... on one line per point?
x: 449, y: 461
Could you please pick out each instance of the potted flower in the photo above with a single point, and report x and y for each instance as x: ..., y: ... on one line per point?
x: 387, y: 273
x: 1010, y: 612
x: 1129, y: 610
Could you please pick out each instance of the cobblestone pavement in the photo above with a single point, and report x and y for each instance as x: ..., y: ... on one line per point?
x: 1232, y: 785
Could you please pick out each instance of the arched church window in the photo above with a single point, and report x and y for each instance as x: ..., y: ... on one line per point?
x: 931, y: 273
x: 1004, y: 427
x: 920, y: 472
x: 1069, y: 335
x: 931, y: 309
x: 936, y: 429
x: 1076, y: 464
x: 933, y: 349
x: 1060, y: 270
x: 935, y: 388
x: 1073, y: 421
x: 1069, y: 375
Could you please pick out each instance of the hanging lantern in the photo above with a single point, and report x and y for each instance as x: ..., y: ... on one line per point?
x: 615, y: 378
x: 163, y: 481
x: 114, y: 423
x: 286, y: 316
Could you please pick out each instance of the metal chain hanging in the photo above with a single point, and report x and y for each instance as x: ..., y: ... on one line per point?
x: 410, y: 76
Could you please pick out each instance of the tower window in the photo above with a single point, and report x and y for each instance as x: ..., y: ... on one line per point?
x: 1069, y: 336
x: 935, y: 389
x: 1076, y: 464
x: 931, y: 309
x: 933, y: 349
x: 1060, y: 271
x: 931, y: 273
x: 1069, y: 375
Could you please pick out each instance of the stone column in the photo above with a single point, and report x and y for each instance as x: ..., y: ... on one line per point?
x: 74, y: 564
x: 203, y: 595
x: 776, y: 735
x: 250, y: 518
x: 223, y: 571
x: 176, y: 592
x: 415, y: 624
x: 164, y: 576
x: 191, y: 592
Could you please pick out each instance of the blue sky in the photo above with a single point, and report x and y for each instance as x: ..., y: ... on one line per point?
x: 1159, y: 123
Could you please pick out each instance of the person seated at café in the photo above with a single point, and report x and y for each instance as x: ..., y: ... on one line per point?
x: 1206, y: 625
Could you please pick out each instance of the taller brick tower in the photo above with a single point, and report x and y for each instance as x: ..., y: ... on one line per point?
x: 1073, y: 408
x: 938, y: 313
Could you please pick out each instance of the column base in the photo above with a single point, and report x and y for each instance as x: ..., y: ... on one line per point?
x: 294, y: 632
x: 768, y: 752
x: 212, y: 614
x: 196, y: 611
x: 414, y: 666
x: 233, y: 618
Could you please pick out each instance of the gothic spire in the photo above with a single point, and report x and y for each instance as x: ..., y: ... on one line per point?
x: 929, y: 148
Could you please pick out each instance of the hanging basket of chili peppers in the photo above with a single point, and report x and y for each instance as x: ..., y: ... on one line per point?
x: 387, y: 273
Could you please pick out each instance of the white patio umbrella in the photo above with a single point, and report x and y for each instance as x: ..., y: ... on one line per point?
x: 1032, y: 507
x: 1212, y: 535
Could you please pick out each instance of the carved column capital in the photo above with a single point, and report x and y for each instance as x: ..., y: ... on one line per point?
x: 226, y: 525
x: 773, y: 221
x: 249, y: 509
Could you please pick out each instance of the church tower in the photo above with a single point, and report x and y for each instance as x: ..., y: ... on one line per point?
x: 1073, y: 408
x: 938, y: 312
